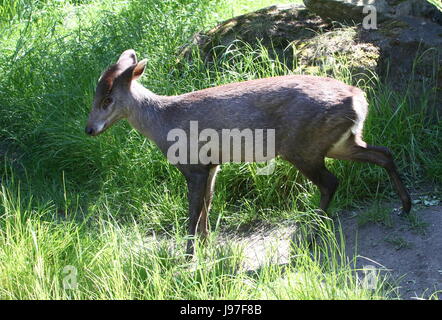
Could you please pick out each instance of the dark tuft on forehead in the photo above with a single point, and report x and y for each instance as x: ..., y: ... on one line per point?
x: 107, y: 79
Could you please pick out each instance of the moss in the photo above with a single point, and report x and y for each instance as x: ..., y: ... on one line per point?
x: 392, y: 28
x: 333, y: 50
x: 396, y: 2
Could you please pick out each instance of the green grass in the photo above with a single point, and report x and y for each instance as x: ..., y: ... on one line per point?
x: 70, y: 200
x: 437, y: 3
x: 232, y: 8
x: 376, y: 213
x: 398, y: 242
x: 48, y: 256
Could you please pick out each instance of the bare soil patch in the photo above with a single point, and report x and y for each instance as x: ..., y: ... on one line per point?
x: 407, y: 250
x: 411, y: 252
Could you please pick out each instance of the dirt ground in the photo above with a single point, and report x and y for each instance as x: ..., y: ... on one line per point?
x: 407, y: 250
x: 412, y: 255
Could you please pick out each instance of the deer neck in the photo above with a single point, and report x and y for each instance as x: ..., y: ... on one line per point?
x: 145, y: 110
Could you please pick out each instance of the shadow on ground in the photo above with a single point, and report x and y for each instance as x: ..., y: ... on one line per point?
x: 408, y: 250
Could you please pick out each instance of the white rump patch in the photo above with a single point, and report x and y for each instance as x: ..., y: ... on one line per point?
x: 360, y: 107
x: 340, y: 144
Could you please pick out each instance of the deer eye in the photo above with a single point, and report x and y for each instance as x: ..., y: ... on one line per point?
x: 106, y: 102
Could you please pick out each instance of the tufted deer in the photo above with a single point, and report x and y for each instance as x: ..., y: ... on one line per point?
x: 312, y: 118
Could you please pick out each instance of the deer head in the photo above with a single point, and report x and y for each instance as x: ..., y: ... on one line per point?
x: 113, y: 95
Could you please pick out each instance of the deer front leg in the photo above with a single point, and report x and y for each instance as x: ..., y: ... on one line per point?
x: 196, y: 184
x: 202, y: 226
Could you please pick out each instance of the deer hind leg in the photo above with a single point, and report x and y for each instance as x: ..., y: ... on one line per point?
x: 355, y: 149
x: 202, y: 226
x: 327, y: 184
x: 316, y: 171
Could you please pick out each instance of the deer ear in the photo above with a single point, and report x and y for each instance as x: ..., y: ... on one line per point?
x: 131, y: 73
x: 139, y: 69
x: 127, y: 59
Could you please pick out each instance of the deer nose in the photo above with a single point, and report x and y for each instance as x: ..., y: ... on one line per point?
x: 89, y: 130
